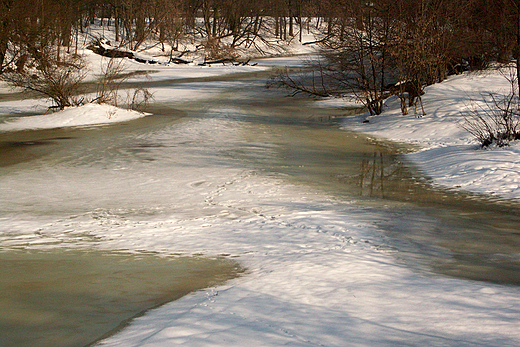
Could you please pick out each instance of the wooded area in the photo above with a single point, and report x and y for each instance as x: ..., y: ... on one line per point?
x: 368, y: 45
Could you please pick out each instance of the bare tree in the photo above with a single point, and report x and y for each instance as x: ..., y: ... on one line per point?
x: 357, y: 49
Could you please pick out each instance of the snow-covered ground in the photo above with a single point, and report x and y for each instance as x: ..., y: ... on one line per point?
x: 448, y: 153
x: 318, y: 271
x: 86, y: 115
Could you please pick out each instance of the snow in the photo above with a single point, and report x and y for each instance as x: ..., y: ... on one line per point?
x: 161, y: 72
x: 448, y: 153
x: 87, y: 115
x: 318, y: 271
x: 309, y: 284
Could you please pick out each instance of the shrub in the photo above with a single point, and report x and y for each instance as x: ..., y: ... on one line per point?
x: 59, y: 80
x: 112, y: 82
x: 495, y: 123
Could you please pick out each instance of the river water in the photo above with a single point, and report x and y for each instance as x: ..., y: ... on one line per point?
x: 48, y: 176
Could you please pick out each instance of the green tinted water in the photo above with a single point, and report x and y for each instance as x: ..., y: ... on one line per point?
x: 71, y: 298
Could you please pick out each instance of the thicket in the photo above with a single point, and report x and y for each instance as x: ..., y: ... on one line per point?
x: 372, y: 48
x: 495, y: 120
x: 28, y: 27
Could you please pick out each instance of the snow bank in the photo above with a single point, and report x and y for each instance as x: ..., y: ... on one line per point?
x: 449, y: 154
x: 190, y: 48
x: 317, y: 275
x: 87, y: 115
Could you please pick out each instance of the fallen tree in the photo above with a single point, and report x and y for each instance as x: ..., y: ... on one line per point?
x: 103, y: 48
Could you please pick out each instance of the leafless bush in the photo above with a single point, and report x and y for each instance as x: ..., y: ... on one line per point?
x: 497, y: 122
x: 306, y: 83
x: 112, y: 82
x: 58, y: 80
x: 140, y: 99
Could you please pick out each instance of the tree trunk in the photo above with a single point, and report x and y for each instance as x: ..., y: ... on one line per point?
x: 4, y: 41
x: 116, y: 22
x: 517, y: 50
x: 3, y: 52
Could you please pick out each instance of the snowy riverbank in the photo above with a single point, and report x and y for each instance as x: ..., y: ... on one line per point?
x: 448, y: 153
x: 86, y: 115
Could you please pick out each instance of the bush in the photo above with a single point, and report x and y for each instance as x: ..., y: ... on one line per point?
x: 58, y: 80
x: 495, y: 123
x: 111, y: 84
x: 62, y: 82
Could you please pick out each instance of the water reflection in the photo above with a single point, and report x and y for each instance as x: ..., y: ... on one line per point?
x: 451, y: 232
x: 376, y: 173
x: 455, y: 233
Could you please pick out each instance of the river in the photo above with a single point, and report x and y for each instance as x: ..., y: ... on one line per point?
x: 164, y: 164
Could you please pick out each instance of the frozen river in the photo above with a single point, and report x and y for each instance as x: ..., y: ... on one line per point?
x: 235, y: 156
